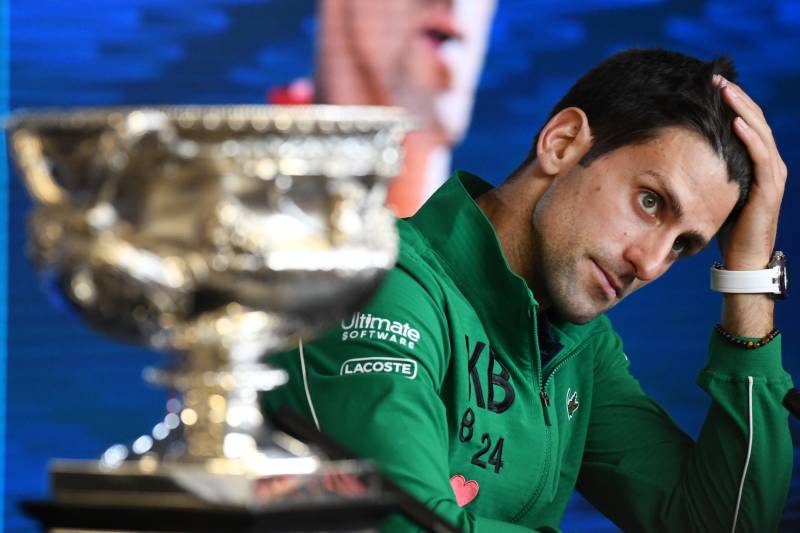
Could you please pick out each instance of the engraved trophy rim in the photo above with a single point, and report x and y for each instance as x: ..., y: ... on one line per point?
x: 267, y: 117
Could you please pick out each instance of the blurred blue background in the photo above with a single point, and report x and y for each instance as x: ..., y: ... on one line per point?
x: 71, y: 393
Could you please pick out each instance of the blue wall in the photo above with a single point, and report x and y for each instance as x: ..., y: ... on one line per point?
x: 70, y: 392
x: 4, y: 79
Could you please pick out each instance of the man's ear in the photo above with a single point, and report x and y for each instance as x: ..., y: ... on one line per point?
x: 563, y: 141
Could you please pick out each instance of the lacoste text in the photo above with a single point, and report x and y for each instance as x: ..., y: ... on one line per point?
x: 369, y: 365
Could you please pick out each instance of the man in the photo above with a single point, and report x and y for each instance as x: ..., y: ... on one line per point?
x: 485, y: 379
x: 423, y: 55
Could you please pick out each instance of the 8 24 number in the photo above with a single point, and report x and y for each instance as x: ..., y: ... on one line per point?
x: 465, y: 434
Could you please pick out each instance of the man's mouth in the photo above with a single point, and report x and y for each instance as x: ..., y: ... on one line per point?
x: 439, y: 30
x: 437, y: 36
x: 610, y: 285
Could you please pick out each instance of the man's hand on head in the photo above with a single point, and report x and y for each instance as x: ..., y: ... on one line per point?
x: 749, y: 243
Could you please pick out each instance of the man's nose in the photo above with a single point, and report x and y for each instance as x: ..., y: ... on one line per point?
x: 649, y: 255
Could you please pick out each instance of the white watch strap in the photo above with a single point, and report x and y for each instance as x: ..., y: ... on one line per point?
x: 764, y: 281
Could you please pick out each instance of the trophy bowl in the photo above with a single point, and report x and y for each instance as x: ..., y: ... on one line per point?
x: 217, y: 234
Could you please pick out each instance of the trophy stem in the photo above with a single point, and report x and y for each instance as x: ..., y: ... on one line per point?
x: 218, y: 408
x: 205, y: 404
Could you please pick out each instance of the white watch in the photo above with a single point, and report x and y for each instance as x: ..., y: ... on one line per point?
x: 771, y: 280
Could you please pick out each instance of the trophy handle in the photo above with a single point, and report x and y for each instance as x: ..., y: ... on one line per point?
x: 118, y: 137
x: 31, y: 160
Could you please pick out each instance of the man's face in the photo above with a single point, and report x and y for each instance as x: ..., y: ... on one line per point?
x: 424, y: 55
x: 603, y: 231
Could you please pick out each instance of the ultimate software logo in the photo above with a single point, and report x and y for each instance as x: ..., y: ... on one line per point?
x: 367, y: 326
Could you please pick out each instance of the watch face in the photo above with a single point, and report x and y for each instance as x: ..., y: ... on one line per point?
x: 779, y: 259
x: 784, y: 281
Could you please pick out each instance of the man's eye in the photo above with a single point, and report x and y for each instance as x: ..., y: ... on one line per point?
x: 649, y: 202
x: 678, y: 247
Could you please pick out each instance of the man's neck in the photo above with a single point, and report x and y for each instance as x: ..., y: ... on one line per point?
x: 509, y: 209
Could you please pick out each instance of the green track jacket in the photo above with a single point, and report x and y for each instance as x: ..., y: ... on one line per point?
x: 439, y: 380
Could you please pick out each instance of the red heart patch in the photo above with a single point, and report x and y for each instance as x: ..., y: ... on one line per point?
x: 465, y: 491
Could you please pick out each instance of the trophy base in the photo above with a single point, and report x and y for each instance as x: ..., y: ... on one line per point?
x: 216, y: 482
x: 336, y: 496
x: 359, y: 515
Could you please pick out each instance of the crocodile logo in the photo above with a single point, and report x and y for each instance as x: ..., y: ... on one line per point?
x: 572, y: 402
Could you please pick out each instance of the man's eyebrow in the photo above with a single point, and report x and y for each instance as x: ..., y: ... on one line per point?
x: 674, y: 204
x: 693, y: 239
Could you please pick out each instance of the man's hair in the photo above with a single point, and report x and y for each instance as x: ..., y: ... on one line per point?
x: 632, y: 95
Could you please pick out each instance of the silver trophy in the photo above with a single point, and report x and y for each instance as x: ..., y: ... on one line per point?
x: 217, y: 234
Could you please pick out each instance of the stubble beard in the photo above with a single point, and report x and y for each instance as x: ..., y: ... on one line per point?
x: 569, y: 298
x: 559, y: 267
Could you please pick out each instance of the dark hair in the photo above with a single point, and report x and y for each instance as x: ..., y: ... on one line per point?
x: 632, y: 95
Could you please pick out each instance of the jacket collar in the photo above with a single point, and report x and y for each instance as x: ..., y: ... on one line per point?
x: 462, y: 237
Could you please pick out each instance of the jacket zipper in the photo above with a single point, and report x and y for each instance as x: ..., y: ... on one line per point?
x: 543, y: 396
x: 545, y: 404
x: 561, y: 363
x: 545, y: 399
x: 543, y: 392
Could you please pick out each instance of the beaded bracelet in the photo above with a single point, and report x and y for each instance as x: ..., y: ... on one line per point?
x: 748, y: 344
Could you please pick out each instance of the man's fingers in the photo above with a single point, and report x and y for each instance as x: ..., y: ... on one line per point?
x: 749, y: 111
x: 745, y: 107
x: 763, y: 157
x: 752, y: 124
x: 738, y: 94
x: 756, y: 147
x: 768, y: 183
x: 764, y: 154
